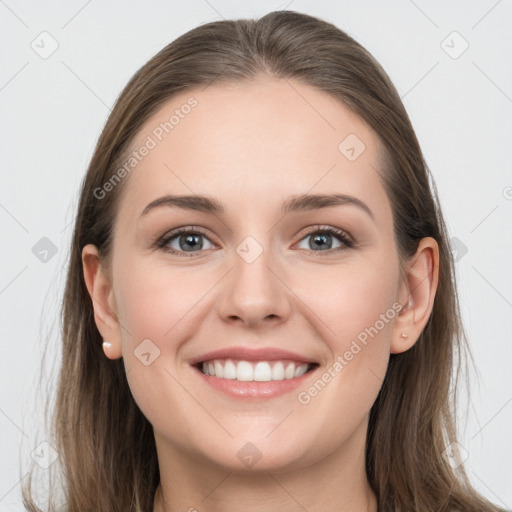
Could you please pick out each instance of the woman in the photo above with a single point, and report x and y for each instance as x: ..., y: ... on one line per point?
x: 260, y: 311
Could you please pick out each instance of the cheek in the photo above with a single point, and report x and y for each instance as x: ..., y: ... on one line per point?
x: 355, y: 307
x: 156, y: 302
x: 157, y: 308
x: 352, y: 299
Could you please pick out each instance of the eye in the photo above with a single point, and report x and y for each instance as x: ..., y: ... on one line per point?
x: 327, y: 239
x: 185, y: 240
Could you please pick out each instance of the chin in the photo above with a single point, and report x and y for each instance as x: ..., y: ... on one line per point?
x: 253, y: 455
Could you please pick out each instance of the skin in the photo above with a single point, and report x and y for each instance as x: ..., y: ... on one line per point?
x: 251, y: 146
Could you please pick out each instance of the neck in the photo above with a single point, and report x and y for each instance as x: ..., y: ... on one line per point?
x: 337, y: 482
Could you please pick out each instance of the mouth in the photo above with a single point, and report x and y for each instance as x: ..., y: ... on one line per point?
x: 253, y: 374
x: 254, y: 371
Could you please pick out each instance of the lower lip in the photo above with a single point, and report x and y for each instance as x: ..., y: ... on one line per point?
x: 254, y: 389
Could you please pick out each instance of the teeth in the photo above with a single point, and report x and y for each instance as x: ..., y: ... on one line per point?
x: 244, y: 371
x: 289, y: 373
x: 278, y: 371
x: 301, y: 370
x: 261, y: 371
x: 229, y: 370
x: 219, y: 370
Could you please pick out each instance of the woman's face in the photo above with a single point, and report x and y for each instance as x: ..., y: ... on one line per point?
x: 259, y: 276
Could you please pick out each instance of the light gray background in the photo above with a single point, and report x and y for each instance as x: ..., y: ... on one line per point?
x: 53, y: 110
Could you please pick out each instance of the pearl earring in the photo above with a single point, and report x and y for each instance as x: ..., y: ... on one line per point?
x: 106, y: 345
x: 403, y: 335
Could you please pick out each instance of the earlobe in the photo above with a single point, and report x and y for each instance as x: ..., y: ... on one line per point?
x: 99, y: 287
x: 112, y: 352
x: 417, y: 293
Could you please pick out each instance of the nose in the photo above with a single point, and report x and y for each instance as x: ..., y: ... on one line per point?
x: 254, y: 294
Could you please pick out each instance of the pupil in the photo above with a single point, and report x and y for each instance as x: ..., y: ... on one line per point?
x: 323, y: 241
x: 189, y: 241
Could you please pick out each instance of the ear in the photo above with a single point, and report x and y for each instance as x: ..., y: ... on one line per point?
x: 416, y: 294
x: 99, y: 286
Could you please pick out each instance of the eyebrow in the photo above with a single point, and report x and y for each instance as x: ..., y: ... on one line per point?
x: 297, y: 203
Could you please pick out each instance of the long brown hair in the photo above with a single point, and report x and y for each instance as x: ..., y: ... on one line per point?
x: 106, y: 445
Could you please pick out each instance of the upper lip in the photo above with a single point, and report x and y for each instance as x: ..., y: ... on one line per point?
x: 251, y: 354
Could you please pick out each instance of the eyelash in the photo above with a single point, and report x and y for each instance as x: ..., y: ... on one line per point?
x: 342, y: 236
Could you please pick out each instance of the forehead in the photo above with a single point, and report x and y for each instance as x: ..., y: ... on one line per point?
x: 241, y: 142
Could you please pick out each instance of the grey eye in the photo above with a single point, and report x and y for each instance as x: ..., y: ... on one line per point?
x: 189, y: 242
x: 321, y: 241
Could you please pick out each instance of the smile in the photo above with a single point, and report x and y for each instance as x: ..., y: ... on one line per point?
x: 260, y: 371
